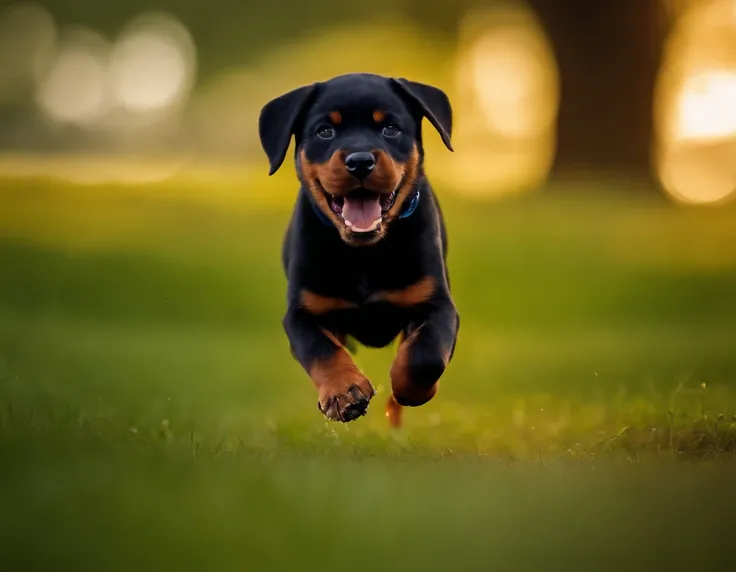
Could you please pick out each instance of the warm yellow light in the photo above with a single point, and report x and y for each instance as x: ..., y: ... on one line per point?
x: 691, y: 178
x: 696, y: 105
x: 506, y: 102
x: 510, y: 82
x: 707, y: 106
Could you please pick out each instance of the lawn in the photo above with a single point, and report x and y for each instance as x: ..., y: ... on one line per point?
x: 151, y: 417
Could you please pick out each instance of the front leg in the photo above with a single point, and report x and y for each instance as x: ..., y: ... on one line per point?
x: 422, y: 358
x: 344, y: 392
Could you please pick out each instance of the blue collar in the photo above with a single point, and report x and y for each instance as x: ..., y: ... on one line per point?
x: 409, y: 208
x: 406, y: 211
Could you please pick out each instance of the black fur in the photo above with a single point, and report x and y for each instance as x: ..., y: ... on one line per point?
x: 317, y: 258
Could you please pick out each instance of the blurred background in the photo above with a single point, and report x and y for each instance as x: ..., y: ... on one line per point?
x: 540, y: 87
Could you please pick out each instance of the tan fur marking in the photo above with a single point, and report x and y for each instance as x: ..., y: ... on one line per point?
x: 333, y: 338
x: 332, y: 175
x: 386, y: 175
x: 401, y: 383
x: 339, y: 371
x: 318, y: 305
x: 394, y: 412
x: 378, y: 116
x: 322, y: 172
x: 336, y: 117
x: 413, y: 295
x: 335, y: 379
x: 409, y: 171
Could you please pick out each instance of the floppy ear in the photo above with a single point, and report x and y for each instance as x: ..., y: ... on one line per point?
x: 434, y: 104
x: 277, y: 121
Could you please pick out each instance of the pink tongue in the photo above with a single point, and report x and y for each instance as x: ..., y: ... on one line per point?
x: 362, y: 212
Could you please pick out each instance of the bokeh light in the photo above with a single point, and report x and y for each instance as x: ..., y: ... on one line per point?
x: 510, y: 70
x: 120, y: 86
x: 706, y: 109
x: 506, y: 101
x: 694, y: 102
x: 74, y: 91
x: 699, y: 173
x: 152, y: 65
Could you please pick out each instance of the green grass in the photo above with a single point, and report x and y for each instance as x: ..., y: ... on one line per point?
x: 151, y: 417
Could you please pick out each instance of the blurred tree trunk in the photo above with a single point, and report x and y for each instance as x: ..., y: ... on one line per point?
x: 608, y: 53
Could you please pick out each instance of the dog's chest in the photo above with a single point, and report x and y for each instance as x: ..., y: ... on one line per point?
x: 374, y: 322
x: 363, y: 289
x: 358, y: 275
x: 364, y: 286
x: 381, y: 270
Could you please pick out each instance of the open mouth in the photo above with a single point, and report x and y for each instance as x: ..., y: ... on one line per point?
x: 361, y: 209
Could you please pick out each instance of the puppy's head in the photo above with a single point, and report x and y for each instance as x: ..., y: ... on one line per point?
x: 358, y: 146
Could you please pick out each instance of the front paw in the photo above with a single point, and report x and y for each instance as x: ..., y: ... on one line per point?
x: 346, y: 402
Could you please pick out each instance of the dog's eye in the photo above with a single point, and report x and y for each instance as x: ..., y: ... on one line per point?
x: 326, y: 132
x: 391, y: 130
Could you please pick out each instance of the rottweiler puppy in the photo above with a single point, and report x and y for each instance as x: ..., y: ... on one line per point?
x: 365, y: 250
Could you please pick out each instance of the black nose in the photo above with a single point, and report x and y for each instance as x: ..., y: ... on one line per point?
x: 360, y: 165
